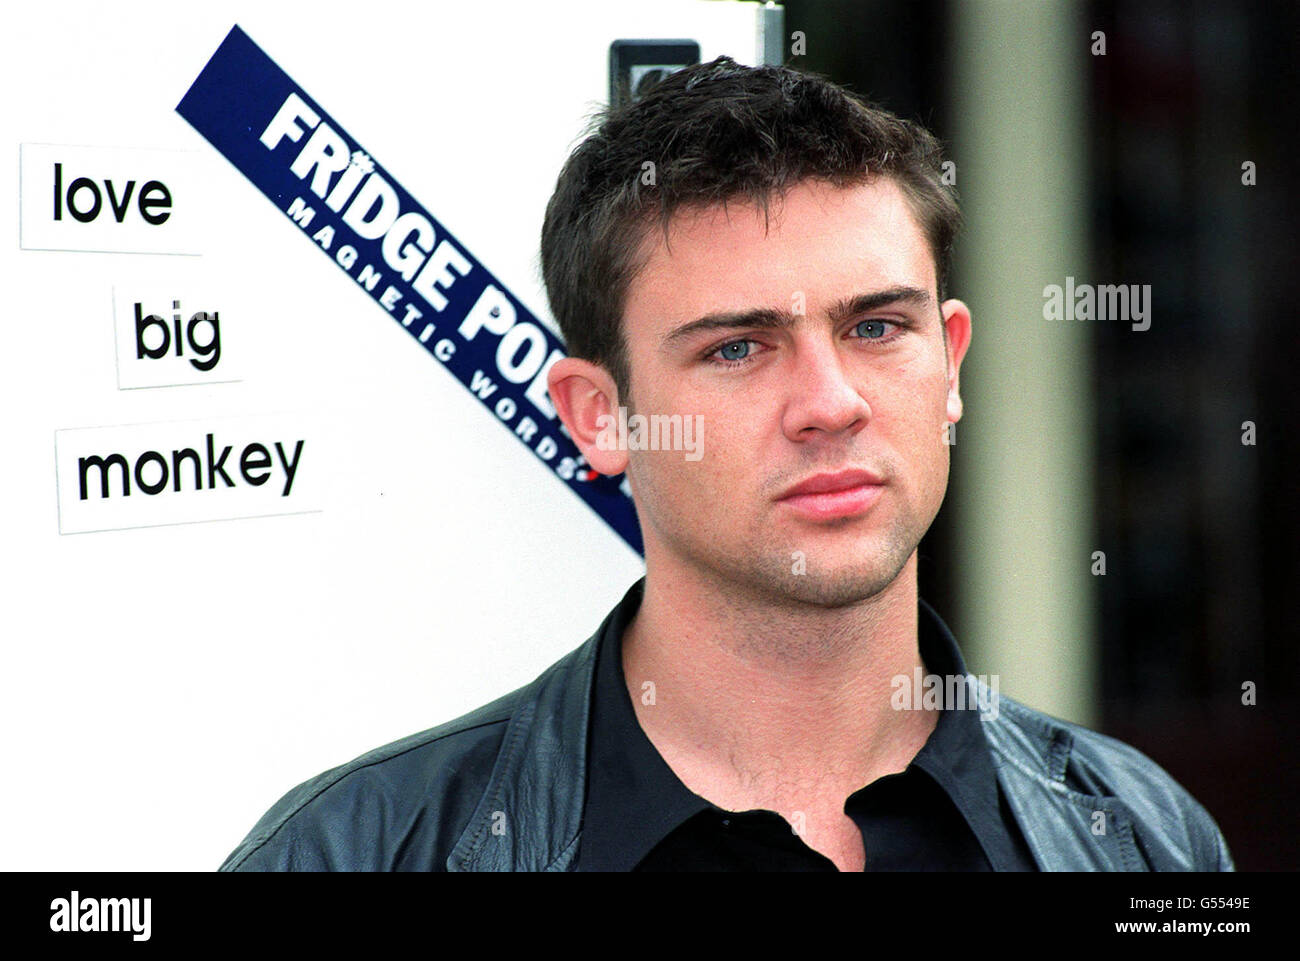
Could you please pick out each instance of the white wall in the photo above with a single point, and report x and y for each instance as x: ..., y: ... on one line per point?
x: 160, y: 687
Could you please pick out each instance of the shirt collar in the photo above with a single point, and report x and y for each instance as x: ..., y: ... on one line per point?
x: 634, y: 799
x: 957, y: 754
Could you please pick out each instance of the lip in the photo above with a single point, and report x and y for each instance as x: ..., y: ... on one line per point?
x: 832, y: 483
x: 831, y: 496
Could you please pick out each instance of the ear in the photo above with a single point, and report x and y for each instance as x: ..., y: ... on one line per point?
x: 586, y: 399
x: 956, y: 321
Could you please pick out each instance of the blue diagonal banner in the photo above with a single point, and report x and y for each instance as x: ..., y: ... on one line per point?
x: 357, y: 214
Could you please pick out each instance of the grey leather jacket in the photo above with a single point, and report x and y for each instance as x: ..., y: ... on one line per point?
x: 502, y: 789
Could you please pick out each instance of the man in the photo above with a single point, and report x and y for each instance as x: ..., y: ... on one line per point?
x: 754, y: 250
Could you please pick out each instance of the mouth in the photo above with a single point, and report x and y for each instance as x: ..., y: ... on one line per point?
x: 833, y: 496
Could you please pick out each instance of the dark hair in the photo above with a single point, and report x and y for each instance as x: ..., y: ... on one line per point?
x: 715, y: 132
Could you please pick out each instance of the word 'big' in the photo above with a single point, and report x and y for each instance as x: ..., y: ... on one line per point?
x: 209, y: 352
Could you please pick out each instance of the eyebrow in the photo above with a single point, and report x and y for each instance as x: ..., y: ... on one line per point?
x: 772, y: 318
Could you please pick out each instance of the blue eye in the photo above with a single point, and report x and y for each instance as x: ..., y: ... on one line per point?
x: 860, y: 329
x: 736, y: 350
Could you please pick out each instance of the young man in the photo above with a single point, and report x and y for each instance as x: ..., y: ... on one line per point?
x: 754, y: 251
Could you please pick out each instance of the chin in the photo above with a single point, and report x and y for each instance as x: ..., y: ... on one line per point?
x: 840, y: 574
x: 840, y: 589
x: 827, y: 585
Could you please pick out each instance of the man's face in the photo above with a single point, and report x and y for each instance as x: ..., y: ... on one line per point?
x: 835, y: 388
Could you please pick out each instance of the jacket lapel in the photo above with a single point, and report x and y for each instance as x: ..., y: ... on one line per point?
x: 530, y: 816
x: 1066, y: 830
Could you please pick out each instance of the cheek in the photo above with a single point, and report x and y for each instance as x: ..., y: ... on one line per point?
x: 729, y: 432
x: 915, y: 402
x: 914, y: 420
x: 726, y: 469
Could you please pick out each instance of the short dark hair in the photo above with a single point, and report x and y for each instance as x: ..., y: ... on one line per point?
x: 716, y: 132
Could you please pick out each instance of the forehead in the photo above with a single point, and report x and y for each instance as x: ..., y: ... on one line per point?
x: 822, y: 242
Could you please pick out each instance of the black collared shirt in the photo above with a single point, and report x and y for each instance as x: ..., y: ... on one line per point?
x: 945, y: 812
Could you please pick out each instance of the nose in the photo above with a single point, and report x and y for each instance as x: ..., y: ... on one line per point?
x: 822, y: 400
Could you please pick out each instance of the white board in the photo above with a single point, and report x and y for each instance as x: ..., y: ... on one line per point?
x: 164, y: 678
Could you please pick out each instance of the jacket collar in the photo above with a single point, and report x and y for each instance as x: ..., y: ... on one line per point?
x: 1066, y: 829
x: 530, y: 816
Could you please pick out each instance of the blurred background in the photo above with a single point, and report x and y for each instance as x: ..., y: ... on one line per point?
x: 1119, y: 167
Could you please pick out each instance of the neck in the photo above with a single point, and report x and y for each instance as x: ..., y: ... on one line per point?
x: 754, y: 694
